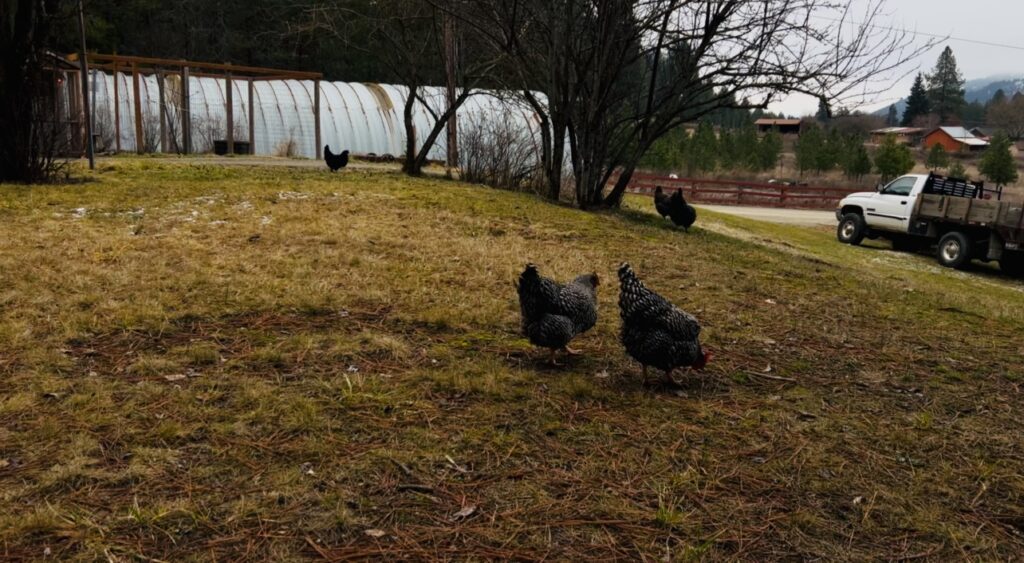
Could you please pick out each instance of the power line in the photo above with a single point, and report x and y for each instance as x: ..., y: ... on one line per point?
x: 925, y: 34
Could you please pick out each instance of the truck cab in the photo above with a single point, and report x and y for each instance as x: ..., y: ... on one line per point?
x: 887, y: 210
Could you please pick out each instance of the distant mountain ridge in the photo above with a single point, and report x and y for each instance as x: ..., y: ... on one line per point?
x: 984, y: 90
x: 977, y: 90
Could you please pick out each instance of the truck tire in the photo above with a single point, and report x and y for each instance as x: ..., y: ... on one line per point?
x: 1012, y: 264
x: 852, y: 229
x: 954, y: 250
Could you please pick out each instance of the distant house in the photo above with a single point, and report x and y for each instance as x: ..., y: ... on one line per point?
x: 982, y: 133
x: 954, y: 139
x: 905, y: 135
x: 783, y: 126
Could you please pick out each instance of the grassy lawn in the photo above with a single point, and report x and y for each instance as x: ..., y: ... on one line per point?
x: 200, y: 362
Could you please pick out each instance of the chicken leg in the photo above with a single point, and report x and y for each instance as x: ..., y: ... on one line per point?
x: 551, y: 359
x: 671, y: 380
x: 571, y: 351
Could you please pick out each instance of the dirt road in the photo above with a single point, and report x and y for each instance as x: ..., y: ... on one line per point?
x: 800, y: 217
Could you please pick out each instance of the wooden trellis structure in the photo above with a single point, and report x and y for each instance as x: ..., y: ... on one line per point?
x: 140, y: 66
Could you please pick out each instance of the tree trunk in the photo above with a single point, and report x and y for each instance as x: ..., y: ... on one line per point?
x: 547, y: 153
x: 421, y: 158
x: 409, y: 167
x: 554, y: 170
x: 414, y: 167
x: 614, y: 198
x: 27, y: 111
x: 626, y: 171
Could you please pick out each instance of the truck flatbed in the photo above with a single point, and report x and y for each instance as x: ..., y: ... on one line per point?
x: 1004, y: 217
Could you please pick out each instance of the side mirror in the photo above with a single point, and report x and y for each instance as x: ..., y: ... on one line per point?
x: 879, y: 187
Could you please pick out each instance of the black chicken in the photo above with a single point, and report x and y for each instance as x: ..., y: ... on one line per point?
x: 682, y: 214
x: 655, y: 332
x: 335, y: 161
x: 661, y: 202
x: 553, y: 314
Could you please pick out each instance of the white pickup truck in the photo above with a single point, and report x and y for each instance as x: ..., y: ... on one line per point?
x: 964, y: 220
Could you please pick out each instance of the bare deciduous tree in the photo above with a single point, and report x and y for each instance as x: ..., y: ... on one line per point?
x: 410, y: 33
x: 497, y: 151
x: 1008, y: 116
x: 618, y: 75
x: 32, y: 130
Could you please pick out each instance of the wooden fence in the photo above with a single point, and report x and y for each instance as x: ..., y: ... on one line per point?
x: 728, y: 192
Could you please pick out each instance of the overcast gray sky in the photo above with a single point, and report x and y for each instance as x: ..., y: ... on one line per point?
x: 992, y: 21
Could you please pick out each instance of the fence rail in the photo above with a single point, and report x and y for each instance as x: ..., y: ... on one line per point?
x: 727, y: 192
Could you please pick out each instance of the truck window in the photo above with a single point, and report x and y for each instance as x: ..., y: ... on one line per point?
x: 900, y: 186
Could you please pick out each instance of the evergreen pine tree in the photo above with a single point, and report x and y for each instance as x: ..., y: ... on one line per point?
x: 824, y: 114
x: 893, y: 158
x: 857, y: 161
x: 747, y: 148
x: 703, y: 148
x: 973, y: 114
x: 808, y: 147
x: 998, y: 98
x: 946, y: 87
x: 769, y: 150
x: 998, y: 164
x: 938, y: 158
x: 681, y: 147
x: 918, y: 104
x: 958, y: 171
x: 831, y: 152
x: 728, y: 150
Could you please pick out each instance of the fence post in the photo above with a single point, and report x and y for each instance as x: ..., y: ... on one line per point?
x: 229, y: 101
x: 117, y: 110
x: 186, y: 117
x: 252, y: 118
x: 316, y: 116
x: 140, y: 143
x: 163, y: 109
x: 87, y: 102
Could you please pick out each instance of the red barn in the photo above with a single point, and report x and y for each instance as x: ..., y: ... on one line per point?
x: 954, y: 139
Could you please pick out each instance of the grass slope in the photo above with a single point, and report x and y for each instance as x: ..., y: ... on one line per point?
x: 203, y: 362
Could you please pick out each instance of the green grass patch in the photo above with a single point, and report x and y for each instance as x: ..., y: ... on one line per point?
x: 207, y: 362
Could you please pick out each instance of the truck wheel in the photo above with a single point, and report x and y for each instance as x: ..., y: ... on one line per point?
x: 954, y: 250
x: 1012, y: 264
x: 851, y: 229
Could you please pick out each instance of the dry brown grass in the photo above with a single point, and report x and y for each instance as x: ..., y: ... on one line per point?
x: 204, y: 363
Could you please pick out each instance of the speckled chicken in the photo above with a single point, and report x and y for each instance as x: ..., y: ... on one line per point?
x: 655, y: 332
x: 554, y: 314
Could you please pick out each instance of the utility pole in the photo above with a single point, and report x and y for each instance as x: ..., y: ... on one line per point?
x: 83, y: 65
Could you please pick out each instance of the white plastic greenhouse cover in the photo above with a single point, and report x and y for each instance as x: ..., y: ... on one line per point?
x: 362, y: 118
